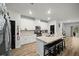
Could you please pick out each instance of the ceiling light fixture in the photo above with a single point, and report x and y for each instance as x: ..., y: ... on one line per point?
x: 49, y: 11
x: 30, y: 12
x: 48, y: 18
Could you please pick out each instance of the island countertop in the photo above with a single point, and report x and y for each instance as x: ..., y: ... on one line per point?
x: 49, y: 39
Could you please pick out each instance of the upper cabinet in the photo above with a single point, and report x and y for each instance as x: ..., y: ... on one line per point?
x: 29, y: 24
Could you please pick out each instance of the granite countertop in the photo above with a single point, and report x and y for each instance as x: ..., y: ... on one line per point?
x: 49, y: 39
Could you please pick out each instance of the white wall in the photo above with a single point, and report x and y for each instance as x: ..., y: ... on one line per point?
x: 66, y: 24
x: 67, y: 27
x: 51, y: 23
x: 16, y: 17
x: 58, y: 30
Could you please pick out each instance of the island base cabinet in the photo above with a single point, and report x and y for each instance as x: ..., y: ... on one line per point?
x: 40, y: 47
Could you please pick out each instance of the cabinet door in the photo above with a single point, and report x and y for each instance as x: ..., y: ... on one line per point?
x: 40, y: 47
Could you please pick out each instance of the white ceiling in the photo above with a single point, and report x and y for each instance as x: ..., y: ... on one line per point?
x: 59, y: 11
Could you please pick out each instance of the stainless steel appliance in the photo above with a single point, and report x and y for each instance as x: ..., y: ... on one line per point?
x: 38, y: 31
x: 5, y: 37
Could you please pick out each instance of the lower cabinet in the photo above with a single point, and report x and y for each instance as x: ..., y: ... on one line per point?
x: 28, y: 39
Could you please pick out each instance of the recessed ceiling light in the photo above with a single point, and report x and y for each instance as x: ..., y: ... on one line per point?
x: 48, y: 18
x: 49, y: 11
x: 30, y: 12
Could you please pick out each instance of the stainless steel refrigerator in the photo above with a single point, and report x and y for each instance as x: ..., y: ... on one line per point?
x: 5, y: 38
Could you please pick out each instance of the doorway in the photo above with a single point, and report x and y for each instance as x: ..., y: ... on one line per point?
x: 52, y: 29
x: 12, y: 34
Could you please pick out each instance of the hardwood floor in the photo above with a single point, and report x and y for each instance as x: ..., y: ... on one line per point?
x: 72, y: 48
x: 25, y: 50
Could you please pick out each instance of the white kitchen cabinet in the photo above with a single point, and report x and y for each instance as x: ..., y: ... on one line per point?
x: 28, y: 39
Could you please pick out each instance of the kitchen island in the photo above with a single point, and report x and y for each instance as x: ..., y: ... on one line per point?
x: 43, y: 40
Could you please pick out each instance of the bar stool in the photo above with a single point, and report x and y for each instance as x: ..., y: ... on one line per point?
x: 49, y: 49
x: 59, y: 46
x: 53, y: 50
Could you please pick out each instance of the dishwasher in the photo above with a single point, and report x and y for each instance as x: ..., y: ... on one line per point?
x: 5, y: 33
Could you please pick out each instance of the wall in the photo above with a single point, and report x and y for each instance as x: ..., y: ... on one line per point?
x: 66, y: 24
x: 51, y: 23
x: 16, y: 17
x: 67, y: 27
x: 58, y: 27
